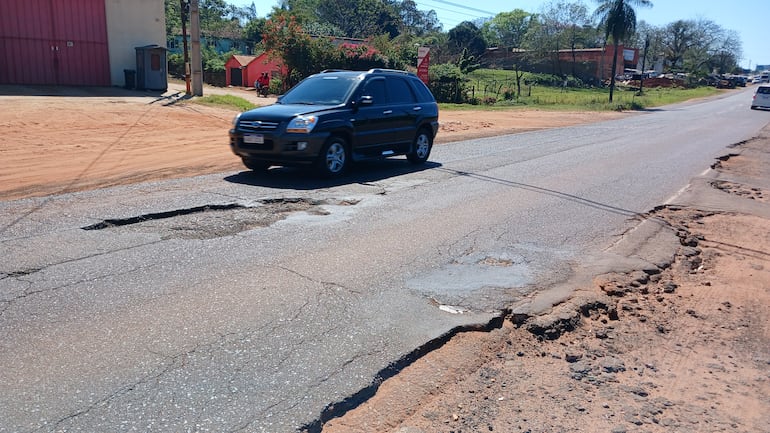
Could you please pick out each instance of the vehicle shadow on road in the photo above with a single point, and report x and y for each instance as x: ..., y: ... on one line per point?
x: 307, y: 179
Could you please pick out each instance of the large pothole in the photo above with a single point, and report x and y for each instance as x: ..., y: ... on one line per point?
x: 214, y: 221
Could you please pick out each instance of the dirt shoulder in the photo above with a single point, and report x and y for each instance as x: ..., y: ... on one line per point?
x: 54, y: 141
x: 681, y: 345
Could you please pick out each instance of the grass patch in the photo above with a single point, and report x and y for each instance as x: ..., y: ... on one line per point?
x: 495, y: 89
x: 226, y: 101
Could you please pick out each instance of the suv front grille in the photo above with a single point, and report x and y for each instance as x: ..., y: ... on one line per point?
x: 257, y: 125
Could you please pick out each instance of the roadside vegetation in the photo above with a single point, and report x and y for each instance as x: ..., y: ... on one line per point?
x: 495, y: 90
x: 514, y: 58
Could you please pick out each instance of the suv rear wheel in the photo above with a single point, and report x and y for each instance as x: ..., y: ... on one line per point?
x: 421, y: 147
x: 333, y: 160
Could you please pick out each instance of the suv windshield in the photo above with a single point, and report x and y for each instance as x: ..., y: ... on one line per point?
x: 321, y: 90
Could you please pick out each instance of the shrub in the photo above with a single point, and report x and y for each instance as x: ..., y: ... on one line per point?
x: 448, y: 83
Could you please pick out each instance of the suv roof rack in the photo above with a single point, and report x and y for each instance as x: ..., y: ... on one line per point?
x: 370, y: 71
x: 395, y: 71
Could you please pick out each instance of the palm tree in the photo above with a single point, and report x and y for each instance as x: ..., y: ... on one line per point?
x: 619, y: 20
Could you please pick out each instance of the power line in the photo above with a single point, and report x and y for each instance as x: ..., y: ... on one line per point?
x: 464, y: 7
x: 445, y: 10
x: 448, y: 22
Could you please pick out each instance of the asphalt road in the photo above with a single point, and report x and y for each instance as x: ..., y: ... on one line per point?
x: 237, y: 302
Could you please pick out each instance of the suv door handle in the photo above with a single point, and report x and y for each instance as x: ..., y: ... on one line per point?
x: 418, y: 108
x: 387, y: 112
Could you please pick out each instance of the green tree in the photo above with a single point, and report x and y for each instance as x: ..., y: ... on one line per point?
x: 618, y: 18
x: 304, y: 11
x: 678, y: 39
x: 246, y: 13
x: 579, y: 29
x: 507, y: 29
x: 285, y: 39
x: 213, y: 16
x: 173, y: 18
x: 727, y: 52
x: 466, y: 36
x: 361, y: 18
x: 253, y: 30
x: 415, y: 22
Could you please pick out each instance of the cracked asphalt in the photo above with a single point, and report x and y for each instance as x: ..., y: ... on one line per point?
x: 282, y: 297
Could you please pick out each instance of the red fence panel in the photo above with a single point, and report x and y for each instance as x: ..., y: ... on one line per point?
x: 54, y: 42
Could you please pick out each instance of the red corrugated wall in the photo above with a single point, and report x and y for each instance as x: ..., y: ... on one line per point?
x: 60, y: 42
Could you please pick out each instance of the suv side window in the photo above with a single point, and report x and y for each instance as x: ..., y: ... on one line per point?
x: 423, y: 93
x: 375, y: 88
x: 399, y: 91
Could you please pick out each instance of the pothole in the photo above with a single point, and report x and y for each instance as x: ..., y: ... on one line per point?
x: 213, y: 221
x: 118, y: 222
x: 721, y: 159
x: 341, y: 407
x: 740, y: 190
x: 496, y: 261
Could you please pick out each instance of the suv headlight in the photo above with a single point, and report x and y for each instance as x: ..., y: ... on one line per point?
x: 235, y: 120
x: 302, y: 124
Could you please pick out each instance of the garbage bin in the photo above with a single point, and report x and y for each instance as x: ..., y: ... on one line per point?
x: 130, y: 77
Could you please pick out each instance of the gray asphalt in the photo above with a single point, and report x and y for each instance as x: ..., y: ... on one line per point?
x: 236, y: 302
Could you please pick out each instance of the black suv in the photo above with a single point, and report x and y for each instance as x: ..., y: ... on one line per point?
x: 333, y: 118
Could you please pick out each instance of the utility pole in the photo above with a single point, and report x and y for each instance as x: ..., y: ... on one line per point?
x: 184, y: 9
x: 195, y: 38
x: 644, y: 60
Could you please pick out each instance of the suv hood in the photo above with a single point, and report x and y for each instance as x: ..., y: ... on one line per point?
x: 278, y: 112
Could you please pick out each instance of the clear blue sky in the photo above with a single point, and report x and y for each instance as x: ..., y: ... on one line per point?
x: 749, y: 19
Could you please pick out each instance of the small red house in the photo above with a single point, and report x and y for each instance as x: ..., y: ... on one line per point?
x: 242, y: 71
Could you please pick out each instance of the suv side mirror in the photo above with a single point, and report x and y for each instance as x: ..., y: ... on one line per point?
x: 366, y: 100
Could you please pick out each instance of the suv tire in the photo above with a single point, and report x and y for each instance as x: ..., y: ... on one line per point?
x: 421, y: 147
x: 334, y: 158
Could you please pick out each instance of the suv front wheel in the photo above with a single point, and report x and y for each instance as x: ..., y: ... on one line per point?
x: 423, y: 142
x: 333, y: 160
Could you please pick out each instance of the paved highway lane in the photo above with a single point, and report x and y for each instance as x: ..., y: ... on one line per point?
x: 244, y: 303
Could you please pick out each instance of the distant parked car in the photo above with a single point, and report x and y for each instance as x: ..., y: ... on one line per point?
x: 761, y: 97
x: 726, y: 83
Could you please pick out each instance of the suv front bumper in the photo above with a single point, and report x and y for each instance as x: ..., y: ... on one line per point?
x: 286, y: 149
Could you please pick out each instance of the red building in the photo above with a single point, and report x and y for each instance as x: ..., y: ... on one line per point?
x: 76, y: 42
x: 242, y: 71
x: 600, y: 59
